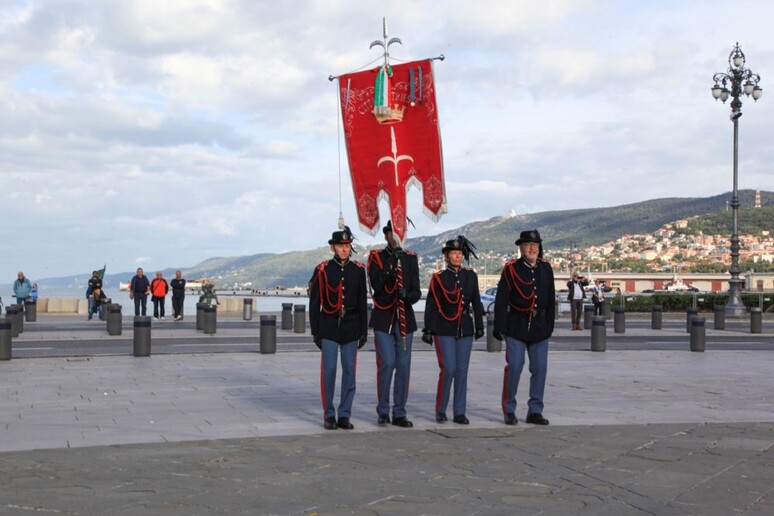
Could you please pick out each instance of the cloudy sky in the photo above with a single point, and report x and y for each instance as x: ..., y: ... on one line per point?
x: 161, y: 133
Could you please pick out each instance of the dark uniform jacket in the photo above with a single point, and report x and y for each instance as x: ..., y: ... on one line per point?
x: 453, y: 306
x: 335, y: 286
x: 382, y: 275
x: 525, y: 304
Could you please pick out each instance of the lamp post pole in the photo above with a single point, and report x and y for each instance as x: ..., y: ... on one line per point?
x: 734, y: 82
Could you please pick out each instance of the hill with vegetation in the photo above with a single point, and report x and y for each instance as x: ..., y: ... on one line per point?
x: 751, y: 221
x: 559, y: 229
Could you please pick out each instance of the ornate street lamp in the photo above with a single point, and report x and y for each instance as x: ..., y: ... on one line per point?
x: 735, y: 82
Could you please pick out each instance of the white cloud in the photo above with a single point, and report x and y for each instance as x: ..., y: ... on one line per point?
x: 203, y: 128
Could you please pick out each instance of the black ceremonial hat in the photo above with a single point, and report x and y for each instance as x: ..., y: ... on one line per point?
x: 388, y: 228
x: 529, y: 236
x: 341, y: 237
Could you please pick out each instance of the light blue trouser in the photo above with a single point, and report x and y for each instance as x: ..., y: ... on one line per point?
x: 538, y: 367
x: 453, y: 359
x: 392, y: 358
x: 330, y: 351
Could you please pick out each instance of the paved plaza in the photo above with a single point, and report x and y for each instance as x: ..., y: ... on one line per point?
x: 632, y: 432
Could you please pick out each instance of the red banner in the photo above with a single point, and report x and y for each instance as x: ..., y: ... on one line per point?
x: 393, y: 146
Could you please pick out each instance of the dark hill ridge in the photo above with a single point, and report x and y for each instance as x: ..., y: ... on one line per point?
x: 584, y: 227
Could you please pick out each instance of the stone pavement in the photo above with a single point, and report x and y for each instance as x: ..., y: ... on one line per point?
x: 632, y: 432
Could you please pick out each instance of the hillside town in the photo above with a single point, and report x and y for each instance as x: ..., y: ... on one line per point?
x: 666, y: 249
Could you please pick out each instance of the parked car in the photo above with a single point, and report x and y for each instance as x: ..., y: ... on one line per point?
x: 488, y: 299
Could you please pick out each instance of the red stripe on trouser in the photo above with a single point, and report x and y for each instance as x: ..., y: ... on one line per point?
x: 378, y: 367
x: 439, y: 391
x: 505, y: 388
x: 322, y: 385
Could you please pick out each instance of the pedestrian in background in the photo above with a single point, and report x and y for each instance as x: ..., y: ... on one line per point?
x: 454, y: 316
x: 525, y: 307
x: 597, y: 297
x: 22, y: 288
x: 178, y: 295
x: 159, y: 288
x: 576, y: 296
x: 338, y: 316
x: 139, y: 287
x: 94, y: 284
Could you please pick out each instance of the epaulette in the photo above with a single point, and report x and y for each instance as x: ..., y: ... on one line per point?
x: 510, y: 262
x: 323, y: 264
x: 359, y: 264
x: 412, y: 253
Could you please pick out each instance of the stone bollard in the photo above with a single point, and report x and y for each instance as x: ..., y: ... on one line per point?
x: 6, y: 346
x: 492, y: 344
x: 12, y: 313
x: 606, y: 309
x: 210, y: 319
x: 698, y: 334
x: 200, y: 315
x: 268, y: 334
x: 114, y: 319
x: 689, y: 315
x: 103, y: 309
x: 247, y: 309
x: 655, y: 317
x: 598, y: 333
x: 619, y: 322
x: 287, y: 316
x: 588, y: 313
x: 299, y: 319
x: 756, y: 320
x: 142, y: 336
x: 31, y: 310
x: 720, y: 317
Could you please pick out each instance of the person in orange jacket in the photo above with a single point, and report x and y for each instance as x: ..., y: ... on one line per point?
x: 159, y: 289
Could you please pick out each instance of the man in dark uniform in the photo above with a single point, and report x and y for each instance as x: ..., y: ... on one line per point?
x: 339, y: 321
x: 525, y: 306
x: 394, y: 277
x: 454, y: 317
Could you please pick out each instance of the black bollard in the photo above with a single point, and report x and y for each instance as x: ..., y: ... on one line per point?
x: 247, y: 309
x: 103, y: 313
x: 698, y: 334
x: 210, y: 319
x: 588, y: 313
x: 655, y: 317
x: 268, y: 334
x: 31, y: 310
x: 200, y: 315
x: 142, y: 336
x: 598, y: 333
x: 606, y: 309
x: 689, y: 315
x: 12, y: 313
x: 756, y: 320
x: 492, y: 344
x: 720, y: 317
x: 299, y: 319
x: 19, y: 317
x: 6, y: 346
x: 287, y: 316
x: 114, y: 319
x: 619, y: 323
